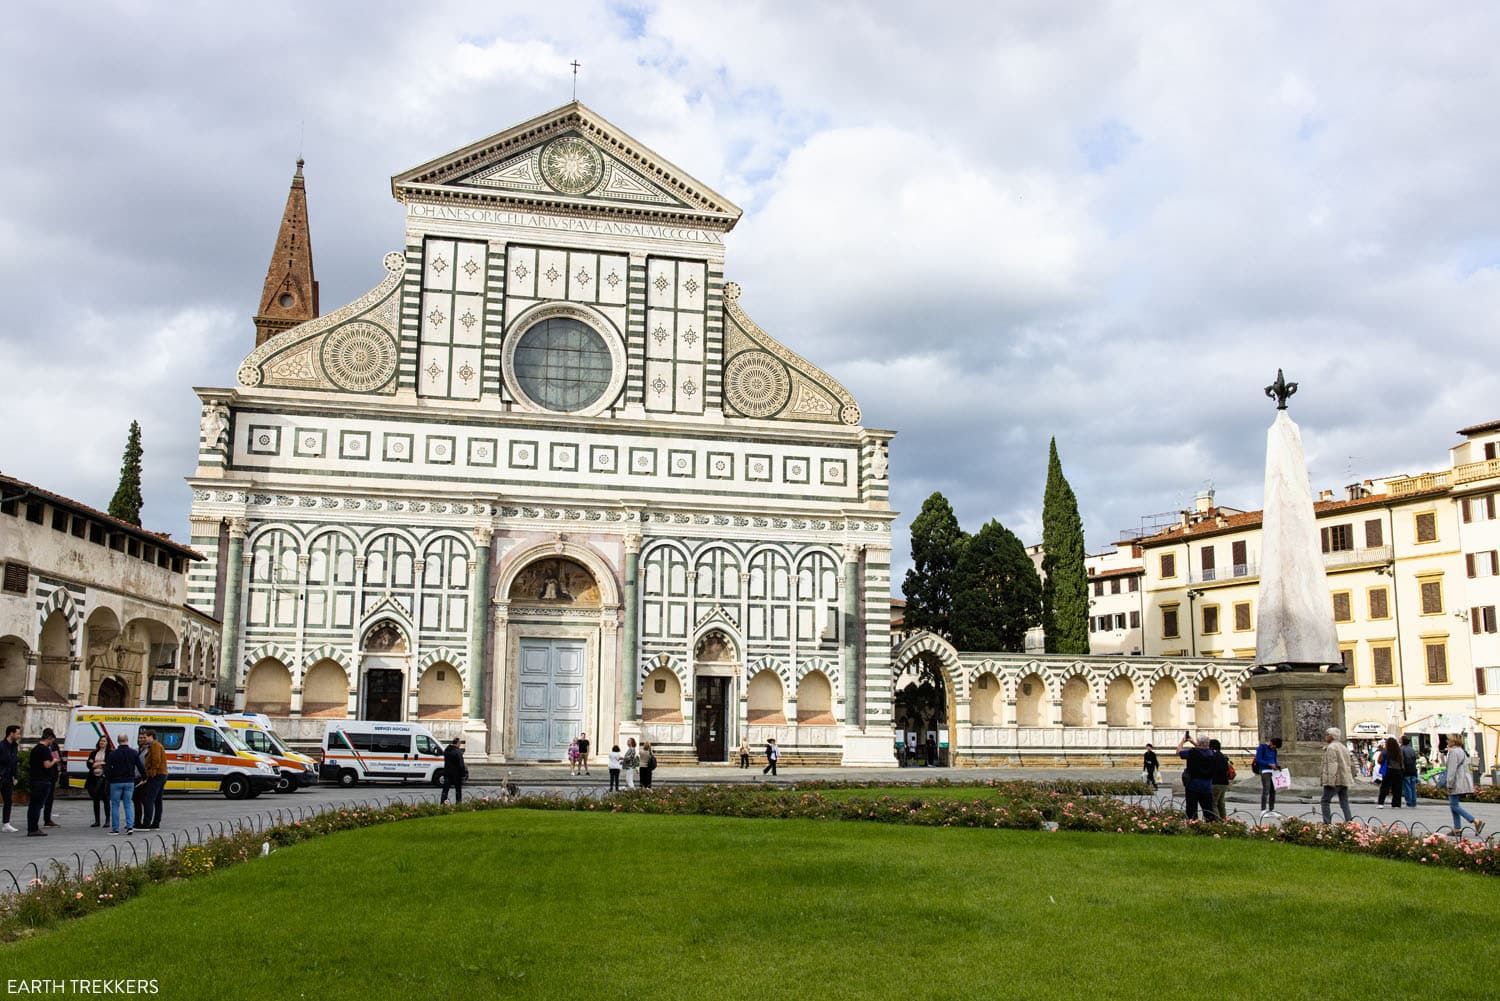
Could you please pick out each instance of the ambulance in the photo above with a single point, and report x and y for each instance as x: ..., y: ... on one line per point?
x: 357, y: 751
x: 297, y: 770
x: 202, y: 753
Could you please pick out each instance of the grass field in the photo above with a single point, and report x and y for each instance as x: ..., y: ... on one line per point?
x: 580, y: 906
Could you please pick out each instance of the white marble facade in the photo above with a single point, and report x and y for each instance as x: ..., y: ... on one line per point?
x: 547, y: 477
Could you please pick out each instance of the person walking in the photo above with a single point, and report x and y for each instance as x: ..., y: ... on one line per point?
x: 43, y: 773
x: 745, y: 752
x: 1150, y: 763
x: 154, y: 761
x: 1408, y: 770
x: 614, y: 768
x: 1223, y: 775
x: 648, y: 764
x: 454, y: 770
x: 1198, y: 777
x: 773, y: 754
x: 1390, y: 774
x: 122, y: 769
x: 1337, y: 775
x: 583, y: 752
x: 1266, y: 766
x: 629, y: 762
x: 95, y: 785
x: 573, y: 757
x: 1460, y: 784
x: 10, y: 767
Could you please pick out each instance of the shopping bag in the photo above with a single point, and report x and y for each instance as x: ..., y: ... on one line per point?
x: 1281, y: 778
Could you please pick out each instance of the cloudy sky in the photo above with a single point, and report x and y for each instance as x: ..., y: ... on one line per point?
x: 994, y: 222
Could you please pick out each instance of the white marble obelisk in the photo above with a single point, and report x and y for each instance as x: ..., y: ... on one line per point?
x: 1294, y: 626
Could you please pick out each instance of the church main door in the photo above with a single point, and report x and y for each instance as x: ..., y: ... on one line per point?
x: 710, y: 718
x: 383, y: 692
x: 549, y: 705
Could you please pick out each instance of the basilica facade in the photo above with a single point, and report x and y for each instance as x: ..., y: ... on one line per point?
x: 546, y: 477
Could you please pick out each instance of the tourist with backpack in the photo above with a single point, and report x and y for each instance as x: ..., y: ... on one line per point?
x: 1223, y: 775
x: 1265, y: 765
x: 648, y: 764
x: 1198, y: 778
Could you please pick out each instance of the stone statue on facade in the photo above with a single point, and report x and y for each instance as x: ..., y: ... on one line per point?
x: 215, y: 427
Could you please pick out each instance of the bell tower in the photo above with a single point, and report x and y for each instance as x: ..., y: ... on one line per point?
x: 291, y: 293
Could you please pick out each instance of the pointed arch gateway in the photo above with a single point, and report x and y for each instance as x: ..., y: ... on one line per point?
x: 926, y: 670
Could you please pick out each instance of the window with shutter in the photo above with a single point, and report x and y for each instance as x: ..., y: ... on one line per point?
x: 1432, y: 597
x: 1242, y: 616
x: 1135, y: 585
x: 1135, y: 620
x: 1489, y: 449
x: 1475, y: 616
x: 1487, y: 618
x: 1338, y: 538
x: 1210, y: 618
x: 1120, y: 621
x: 1374, y: 533
x: 1469, y: 564
x: 1479, y: 686
x: 1437, y: 663
x: 1343, y: 610
x: 1380, y: 659
x: 1238, y: 557
x: 1114, y: 586
x: 1426, y: 523
x: 1380, y: 607
x: 1489, y: 506
x: 1169, y: 622
x: 16, y: 575
x: 1169, y: 564
x: 1346, y: 655
x: 1208, y: 562
x: 1494, y: 563
x: 1466, y: 509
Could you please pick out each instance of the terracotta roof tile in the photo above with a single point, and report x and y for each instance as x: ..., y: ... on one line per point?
x: 9, y: 484
x: 1210, y: 526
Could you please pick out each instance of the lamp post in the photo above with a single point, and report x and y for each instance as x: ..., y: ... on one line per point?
x: 1389, y: 570
x: 1193, y: 595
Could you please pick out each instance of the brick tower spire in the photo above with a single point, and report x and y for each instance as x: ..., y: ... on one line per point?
x: 291, y: 292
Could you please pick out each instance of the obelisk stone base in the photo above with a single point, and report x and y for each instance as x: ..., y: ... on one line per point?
x: 1298, y: 706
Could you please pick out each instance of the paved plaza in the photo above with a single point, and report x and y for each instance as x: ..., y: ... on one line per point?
x: 191, y: 817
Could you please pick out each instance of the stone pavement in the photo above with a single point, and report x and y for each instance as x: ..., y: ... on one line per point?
x: 77, y: 844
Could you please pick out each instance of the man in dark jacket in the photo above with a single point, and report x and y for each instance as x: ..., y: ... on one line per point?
x: 122, y: 769
x: 1150, y: 763
x: 10, y: 767
x: 454, y: 770
x: 154, y: 761
x: 1221, y: 778
x: 1409, y: 770
x: 1198, y: 779
x: 44, y: 767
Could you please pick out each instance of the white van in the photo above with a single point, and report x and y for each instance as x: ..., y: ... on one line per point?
x: 297, y: 770
x: 357, y: 750
x: 202, y: 753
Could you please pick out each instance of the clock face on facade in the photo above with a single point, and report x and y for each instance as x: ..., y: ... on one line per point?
x: 572, y: 166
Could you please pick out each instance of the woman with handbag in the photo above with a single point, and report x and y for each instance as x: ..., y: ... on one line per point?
x: 94, y: 785
x: 1460, y: 784
x: 1390, y: 774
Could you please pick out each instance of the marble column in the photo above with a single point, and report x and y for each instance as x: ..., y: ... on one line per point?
x: 479, y: 604
x: 229, y: 643
x: 629, y: 655
x: 853, y: 692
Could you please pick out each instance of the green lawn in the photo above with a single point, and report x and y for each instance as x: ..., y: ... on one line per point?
x: 581, y: 906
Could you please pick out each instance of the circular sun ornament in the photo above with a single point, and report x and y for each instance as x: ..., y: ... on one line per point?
x: 359, y: 357
x: 572, y: 165
x: 757, y: 383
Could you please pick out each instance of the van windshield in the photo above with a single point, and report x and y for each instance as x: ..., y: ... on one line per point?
x: 235, y: 740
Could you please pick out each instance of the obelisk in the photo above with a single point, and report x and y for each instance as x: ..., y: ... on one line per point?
x: 1299, y: 677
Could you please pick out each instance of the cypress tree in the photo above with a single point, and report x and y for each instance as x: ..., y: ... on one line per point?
x: 1065, y: 590
x: 936, y: 544
x: 997, y: 594
x: 126, y: 503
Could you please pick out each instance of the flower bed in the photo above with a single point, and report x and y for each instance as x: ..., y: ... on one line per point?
x: 1481, y: 794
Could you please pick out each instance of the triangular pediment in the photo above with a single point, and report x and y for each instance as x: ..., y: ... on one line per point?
x: 571, y: 161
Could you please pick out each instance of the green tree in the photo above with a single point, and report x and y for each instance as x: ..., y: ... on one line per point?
x: 936, y: 544
x: 126, y: 503
x: 1065, y: 590
x: 997, y: 595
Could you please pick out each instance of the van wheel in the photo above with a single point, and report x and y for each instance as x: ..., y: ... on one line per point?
x: 285, y: 784
x: 235, y: 787
x: 437, y: 777
x: 348, y: 778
